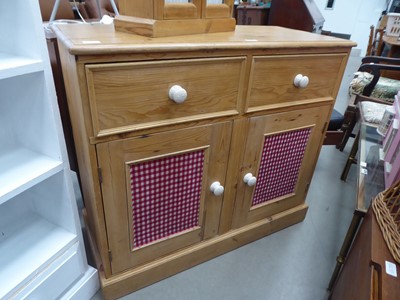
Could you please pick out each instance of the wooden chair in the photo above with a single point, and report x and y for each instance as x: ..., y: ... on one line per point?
x: 339, y: 125
x: 334, y: 133
x: 372, y: 89
x: 375, y: 42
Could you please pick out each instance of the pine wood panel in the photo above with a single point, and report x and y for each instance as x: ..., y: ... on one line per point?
x: 138, y: 8
x: 172, y: 27
x: 271, y: 79
x: 218, y: 11
x: 190, y: 10
x: 131, y: 96
x: 113, y: 158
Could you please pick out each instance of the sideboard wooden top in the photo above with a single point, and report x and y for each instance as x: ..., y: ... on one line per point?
x: 87, y: 39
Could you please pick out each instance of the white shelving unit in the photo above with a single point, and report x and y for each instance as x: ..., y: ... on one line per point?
x: 42, y: 255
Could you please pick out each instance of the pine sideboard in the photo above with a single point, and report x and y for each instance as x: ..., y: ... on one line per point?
x: 191, y: 146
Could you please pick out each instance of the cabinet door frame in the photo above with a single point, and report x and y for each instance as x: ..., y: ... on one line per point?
x: 267, y: 125
x: 114, y: 159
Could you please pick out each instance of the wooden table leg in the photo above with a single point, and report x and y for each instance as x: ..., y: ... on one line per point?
x: 351, y: 232
x: 352, y: 159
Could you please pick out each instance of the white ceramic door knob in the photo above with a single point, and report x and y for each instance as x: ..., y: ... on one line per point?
x: 216, y: 188
x: 249, y: 179
x: 301, y: 81
x: 177, y: 94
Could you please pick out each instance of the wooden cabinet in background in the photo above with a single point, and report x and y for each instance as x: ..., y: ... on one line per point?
x: 364, y: 275
x: 252, y: 15
x: 191, y: 146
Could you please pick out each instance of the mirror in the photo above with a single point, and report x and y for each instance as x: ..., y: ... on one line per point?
x: 215, y: 2
x: 177, y: 1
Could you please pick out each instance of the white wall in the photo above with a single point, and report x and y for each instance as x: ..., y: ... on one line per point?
x: 352, y: 17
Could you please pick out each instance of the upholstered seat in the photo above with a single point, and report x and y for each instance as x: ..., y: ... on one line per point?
x: 336, y: 121
x: 334, y: 134
x: 372, y: 112
x: 368, y: 84
x: 385, y: 88
x: 371, y: 93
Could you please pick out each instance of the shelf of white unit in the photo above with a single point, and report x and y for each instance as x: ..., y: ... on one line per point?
x: 29, y: 249
x: 21, y: 168
x: 12, y: 65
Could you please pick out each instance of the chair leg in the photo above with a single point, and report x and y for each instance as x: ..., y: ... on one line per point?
x: 351, y: 159
x: 350, y: 121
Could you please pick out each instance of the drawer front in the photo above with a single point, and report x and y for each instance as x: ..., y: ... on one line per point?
x: 56, y: 278
x: 272, y: 80
x: 132, y: 96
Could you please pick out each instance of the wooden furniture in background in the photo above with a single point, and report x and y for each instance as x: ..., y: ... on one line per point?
x: 158, y: 18
x: 41, y: 244
x: 89, y: 10
x: 380, y: 90
x: 375, y: 42
x: 370, y: 182
x: 64, y: 12
x: 335, y: 132
x: 252, y: 15
x: 188, y: 146
x: 365, y: 275
x: 393, y: 43
x: 301, y: 14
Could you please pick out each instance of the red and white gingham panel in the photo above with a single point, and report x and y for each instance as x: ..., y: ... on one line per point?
x: 280, y: 164
x: 165, y: 196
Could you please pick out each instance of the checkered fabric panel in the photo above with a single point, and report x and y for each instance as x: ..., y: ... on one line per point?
x: 165, y: 196
x: 280, y: 164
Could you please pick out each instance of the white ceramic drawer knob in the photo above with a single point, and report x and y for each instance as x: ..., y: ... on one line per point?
x: 249, y: 179
x: 216, y: 188
x: 177, y: 94
x: 301, y: 81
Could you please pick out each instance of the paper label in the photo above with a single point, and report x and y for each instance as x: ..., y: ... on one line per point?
x: 91, y: 42
x: 391, y: 268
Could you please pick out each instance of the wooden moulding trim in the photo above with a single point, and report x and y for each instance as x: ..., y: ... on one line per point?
x: 218, y: 11
x: 164, y: 28
x: 136, y: 127
x: 285, y: 48
x: 130, y: 281
x: 181, y: 11
x: 279, y: 106
x: 242, y: 37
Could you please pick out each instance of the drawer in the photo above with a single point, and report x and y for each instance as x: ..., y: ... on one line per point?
x: 55, y: 278
x: 131, y: 96
x: 271, y: 80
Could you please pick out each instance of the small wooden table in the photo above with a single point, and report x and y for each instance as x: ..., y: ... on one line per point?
x: 370, y: 182
x: 393, y: 43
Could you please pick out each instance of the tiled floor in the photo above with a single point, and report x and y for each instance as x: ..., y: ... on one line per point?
x: 293, y: 264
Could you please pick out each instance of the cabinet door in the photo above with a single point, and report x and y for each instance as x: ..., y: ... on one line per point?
x: 281, y: 153
x: 156, y: 191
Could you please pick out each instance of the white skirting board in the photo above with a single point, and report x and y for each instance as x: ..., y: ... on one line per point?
x: 85, y: 288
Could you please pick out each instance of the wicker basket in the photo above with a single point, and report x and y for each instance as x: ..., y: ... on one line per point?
x: 393, y: 24
x: 386, y: 207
